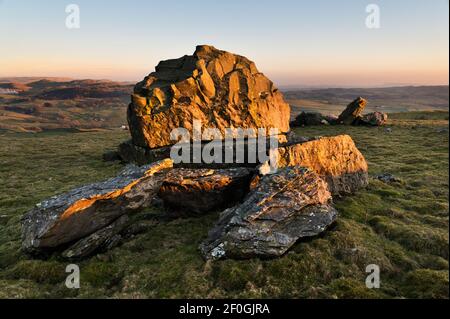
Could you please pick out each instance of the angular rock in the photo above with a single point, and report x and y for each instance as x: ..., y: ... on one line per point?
x: 336, y: 159
x: 353, y: 112
x: 374, y: 119
x: 204, y: 190
x: 280, y: 209
x: 104, y: 238
x: 220, y: 89
x: 84, y: 210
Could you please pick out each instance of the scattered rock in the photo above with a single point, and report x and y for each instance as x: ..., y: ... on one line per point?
x: 374, y: 119
x: 309, y: 118
x: 353, y: 112
x: 388, y: 130
x: 388, y: 178
x: 204, y: 190
x: 281, y: 208
x: 105, y: 238
x: 336, y: 159
x: 82, y: 211
x: 220, y: 89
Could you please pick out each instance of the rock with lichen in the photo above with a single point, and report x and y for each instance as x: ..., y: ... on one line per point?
x: 280, y: 209
x: 218, y: 88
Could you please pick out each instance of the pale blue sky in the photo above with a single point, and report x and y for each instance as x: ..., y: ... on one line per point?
x: 320, y: 42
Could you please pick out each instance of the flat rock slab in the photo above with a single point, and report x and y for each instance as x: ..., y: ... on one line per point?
x: 204, y: 190
x: 82, y: 211
x: 281, y: 208
x: 336, y: 159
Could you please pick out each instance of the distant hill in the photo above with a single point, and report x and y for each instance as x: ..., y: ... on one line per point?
x: 392, y: 99
x: 37, y: 104
x: 34, y: 105
x: 28, y: 79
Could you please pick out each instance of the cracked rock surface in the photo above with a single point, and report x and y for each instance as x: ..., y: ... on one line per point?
x: 280, y: 209
x: 218, y: 88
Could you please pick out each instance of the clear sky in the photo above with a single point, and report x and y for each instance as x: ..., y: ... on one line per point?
x: 298, y: 42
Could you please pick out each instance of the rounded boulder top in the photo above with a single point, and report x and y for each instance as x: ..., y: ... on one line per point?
x: 220, y: 89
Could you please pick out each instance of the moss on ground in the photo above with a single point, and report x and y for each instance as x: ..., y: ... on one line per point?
x: 402, y: 227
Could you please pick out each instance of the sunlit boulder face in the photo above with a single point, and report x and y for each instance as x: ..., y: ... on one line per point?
x: 218, y: 88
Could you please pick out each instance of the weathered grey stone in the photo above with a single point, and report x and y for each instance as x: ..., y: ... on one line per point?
x: 388, y: 178
x: 374, y: 119
x: 281, y: 208
x: 82, y: 211
x: 105, y: 238
x: 310, y: 118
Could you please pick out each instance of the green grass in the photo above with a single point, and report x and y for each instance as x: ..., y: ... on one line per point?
x: 402, y: 227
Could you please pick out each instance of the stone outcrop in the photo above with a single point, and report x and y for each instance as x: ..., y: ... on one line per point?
x: 78, y: 213
x: 280, y: 209
x: 374, y: 119
x: 220, y: 89
x: 352, y: 112
x: 336, y: 159
x: 204, y: 190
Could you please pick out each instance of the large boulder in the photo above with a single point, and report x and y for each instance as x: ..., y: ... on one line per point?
x: 218, y: 88
x: 336, y: 159
x: 352, y: 112
x: 78, y: 213
x: 280, y: 209
x: 204, y: 190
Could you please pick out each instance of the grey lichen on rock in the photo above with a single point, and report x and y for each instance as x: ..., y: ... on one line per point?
x: 280, y: 209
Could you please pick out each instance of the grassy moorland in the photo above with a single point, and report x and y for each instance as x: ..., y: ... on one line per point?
x: 402, y: 227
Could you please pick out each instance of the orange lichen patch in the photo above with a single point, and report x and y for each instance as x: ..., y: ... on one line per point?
x: 87, y: 202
